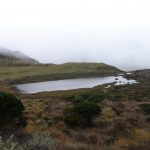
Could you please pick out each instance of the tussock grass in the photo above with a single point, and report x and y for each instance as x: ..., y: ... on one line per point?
x: 36, y: 141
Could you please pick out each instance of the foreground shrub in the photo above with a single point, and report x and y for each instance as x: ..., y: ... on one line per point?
x: 96, y: 97
x: 81, y: 114
x: 77, y: 99
x: 87, y: 97
x: 11, y: 112
x: 115, y: 97
x: 145, y: 108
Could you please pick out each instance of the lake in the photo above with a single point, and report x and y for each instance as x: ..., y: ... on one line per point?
x: 70, y: 84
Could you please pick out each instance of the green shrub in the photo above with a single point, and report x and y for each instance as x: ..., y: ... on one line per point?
x: 115, y: 97
x: 81, y: 114
x: 11, y: 112
x: 96, y: 97
x: 84, y: 97
x: 145, y: 108
x: 77, y: 99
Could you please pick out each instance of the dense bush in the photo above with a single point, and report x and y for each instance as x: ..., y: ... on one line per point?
x: 145, y: 108
x: 81, y: 114
x: 77, y: 99
x: 115, y: 96
x: 87, y: 97
x: 11, y: 112
x: 96, y: 97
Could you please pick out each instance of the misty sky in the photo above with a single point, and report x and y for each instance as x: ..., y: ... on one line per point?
x: 56, y: 31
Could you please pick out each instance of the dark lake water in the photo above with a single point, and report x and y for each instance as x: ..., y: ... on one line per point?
x: 69, y: 84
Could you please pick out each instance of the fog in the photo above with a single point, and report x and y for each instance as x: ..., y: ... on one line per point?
x: 116, y: 32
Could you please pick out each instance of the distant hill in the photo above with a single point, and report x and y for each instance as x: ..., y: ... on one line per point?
x: 24, y: 73
x: 16, y: 67
x: 15, y: 56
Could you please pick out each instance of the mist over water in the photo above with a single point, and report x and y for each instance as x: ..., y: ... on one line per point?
x: 113, y: 32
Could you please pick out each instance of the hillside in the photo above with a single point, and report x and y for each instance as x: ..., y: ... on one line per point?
x: 24, y: 73
x: 123, y: 123
x: 8, y: 56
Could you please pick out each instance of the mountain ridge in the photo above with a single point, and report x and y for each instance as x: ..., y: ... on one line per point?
x: 13, y: 56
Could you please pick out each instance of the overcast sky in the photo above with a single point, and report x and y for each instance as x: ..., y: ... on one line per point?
x: 56, y: 31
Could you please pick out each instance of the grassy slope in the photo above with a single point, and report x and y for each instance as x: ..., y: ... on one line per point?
x: 18, y: 72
